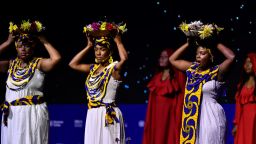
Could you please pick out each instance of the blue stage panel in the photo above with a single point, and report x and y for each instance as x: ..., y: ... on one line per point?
x: 67, y: 122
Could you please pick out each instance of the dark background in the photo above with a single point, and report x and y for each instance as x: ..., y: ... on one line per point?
x: 152, y: 26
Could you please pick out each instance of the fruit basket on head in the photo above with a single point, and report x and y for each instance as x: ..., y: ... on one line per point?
x: 199, y: 33
x: 104, y: 29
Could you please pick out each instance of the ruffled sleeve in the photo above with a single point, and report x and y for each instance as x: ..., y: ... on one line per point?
x: 152, y: 83
x: 166, y: 87
x: 171, y: 87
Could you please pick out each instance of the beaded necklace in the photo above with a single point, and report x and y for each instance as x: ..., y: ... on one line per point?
x: 96, y: 84
x: 20, y: 76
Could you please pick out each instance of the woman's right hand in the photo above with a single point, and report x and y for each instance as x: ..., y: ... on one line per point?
x: 234, y: 130
x: 10, y: 38
x: 188, y: 40
x: 191, y: 40
x: 89, y: 40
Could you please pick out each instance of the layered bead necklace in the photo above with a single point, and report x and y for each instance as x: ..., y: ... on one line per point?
x: 20, y: 76
x: 95, y: 84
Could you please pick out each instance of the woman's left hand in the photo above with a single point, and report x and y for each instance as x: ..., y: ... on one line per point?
x: 42, y: 39
x: 234, y: 130
x: 117, y: 37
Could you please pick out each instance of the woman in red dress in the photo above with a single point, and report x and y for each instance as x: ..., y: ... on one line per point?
x: 163, y: 118
x: 245, y: 117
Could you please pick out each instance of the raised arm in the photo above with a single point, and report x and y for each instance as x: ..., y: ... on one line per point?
x: 122, y: 54
x: 176, y: 62
x: 76, y: 64
x: 47, y: 64
x: 224, y: 66
x: 4, y: 64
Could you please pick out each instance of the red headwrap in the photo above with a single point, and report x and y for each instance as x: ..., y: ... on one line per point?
x: 252, y: 57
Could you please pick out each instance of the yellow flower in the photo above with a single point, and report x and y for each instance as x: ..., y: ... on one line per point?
x: 122, y: 28
x: 85, y: 29
x: 184, y: 27
x: 206, y: 32
x: 219, y: 29
x: 12, y: 27
x: 103, y: 26
x: 25, y: 25
x: 39, y: 26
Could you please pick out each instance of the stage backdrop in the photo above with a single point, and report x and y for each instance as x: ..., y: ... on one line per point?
x: 67, y: 122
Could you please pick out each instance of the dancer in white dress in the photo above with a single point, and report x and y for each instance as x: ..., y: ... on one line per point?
x: 203, y: 119
x: 25, y: 115
x: 104, y: 122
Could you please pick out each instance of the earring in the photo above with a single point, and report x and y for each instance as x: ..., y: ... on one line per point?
x: 110, y: 60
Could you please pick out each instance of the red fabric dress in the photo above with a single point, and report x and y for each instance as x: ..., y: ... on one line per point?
x: 163, y: 118
x: 245, y: 116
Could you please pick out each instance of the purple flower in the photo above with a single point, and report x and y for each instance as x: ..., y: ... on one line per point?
x: 95, y: 26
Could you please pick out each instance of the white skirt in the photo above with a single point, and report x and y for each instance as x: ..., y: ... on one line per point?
x: 26, y: 125
x: 212, y: 126
x: 97, y: 133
